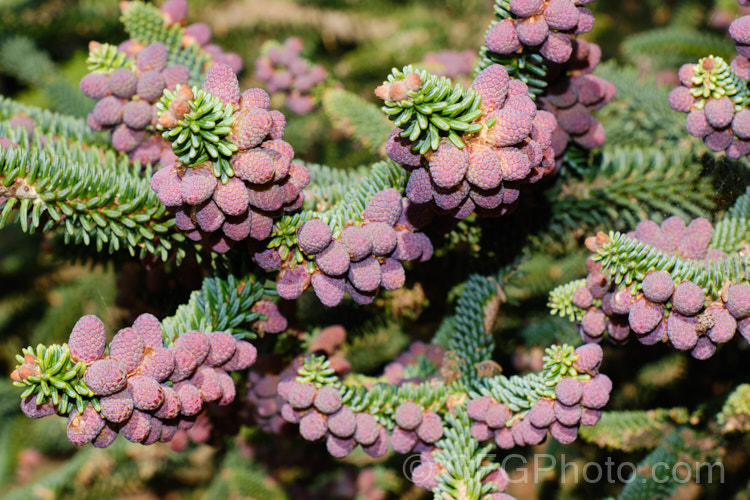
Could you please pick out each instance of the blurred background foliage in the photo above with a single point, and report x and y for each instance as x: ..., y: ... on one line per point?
x: 45, y: 287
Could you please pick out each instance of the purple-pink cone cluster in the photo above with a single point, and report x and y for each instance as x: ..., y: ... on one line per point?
x: 484, y: 176
x: 267, y: 378
x: 126, y: 97
x: 148, y: 391
x: 174, y: 12
x: 263, y: 387
x: 361, y: 260
x: 573, y: 94
x: 126, y: 101
x: 266, y: 181
x: 576, y: 402
x: 417, y: 428
x: 282, y: 69
x: 549, y: 26
x: 275, y: 322
x: 718, y: 122
x: 664, y: 309
x: 321, y: 414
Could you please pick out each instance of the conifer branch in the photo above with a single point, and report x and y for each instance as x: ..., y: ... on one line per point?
x: 47, y: 122
x: 90, y: 196
x: 528, y: 66
x: 625, y: 185
x: 633, y: 430
x: 672, y: 46
x: 145, y: 24
x: 221, y: 304
x: 362, y: 119
x: 464, y: 461
x: 679, y: 446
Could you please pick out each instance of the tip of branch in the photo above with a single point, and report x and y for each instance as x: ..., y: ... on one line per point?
x: 383, y: 91
x: 168, y: 119
x: 413, y: 82
x: 179, y: 107
x: 399, y: 90
x: 185, y: 92
x: 595, y: 243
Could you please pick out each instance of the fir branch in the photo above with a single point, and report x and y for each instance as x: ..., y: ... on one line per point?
x: 239, y: 477
x: 619, y: 187
x: 741, y: 207
x: 714, y: 79
x: 7, y: 430
x: 731, y: 232
x: 520, y: 393
x: 546, y: 330
x: 124, y: 472
x: 626, y: 261
x: 222, y: 304
x: 422, y: 368
x: 538, y: 275
x: 646, y: 484
x: 378, y: 343
x: 679, y: 446
x: 200, y: 135
x: 436, y: 108
x: 473, y: 323
x: 561, y: 301
x: 20, y: 58
x: 46, y: 122
x: 382, y: 175
x: 735, y: 414
x: 663, y: 372
x: 145, y: 24
x: 444, y: 332
x: 66, y: 98
x: 633, y: 430
x: 105, y: 58
x: 577, y: 159
x: 49, y: 375
x: 626, y: 185
x: 381, y: 399
x: 362, y: 119
x: 672, y: 46
x: 465, y: 464
x: 91, y: 197
x: 54, y: 480
x: 639, y: 115
x: 91, y: 291
x: 329, y: 185
x: 527, y: 66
